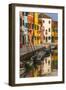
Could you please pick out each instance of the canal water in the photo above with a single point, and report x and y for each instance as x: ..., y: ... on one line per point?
x: 43, y: 62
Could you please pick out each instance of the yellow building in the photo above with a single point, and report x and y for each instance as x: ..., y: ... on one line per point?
x: 36, y: 30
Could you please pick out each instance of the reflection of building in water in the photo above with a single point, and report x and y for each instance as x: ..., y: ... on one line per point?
x: 46, y: 65
x: 46, y: 26
x: 54, y: 57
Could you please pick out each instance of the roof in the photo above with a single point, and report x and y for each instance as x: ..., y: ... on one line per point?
x: 42, y: 15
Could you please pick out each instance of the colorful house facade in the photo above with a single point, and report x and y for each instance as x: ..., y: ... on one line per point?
x: 47, y: 27
x: 25, y: 27
x: 30, y: 29
x: 35, y: 29
x: 46, y: 66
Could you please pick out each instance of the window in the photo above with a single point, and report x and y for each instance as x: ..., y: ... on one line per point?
x: 23, y: 13
x: 43, y: 21
x: 20, y: 22
x: 26, y: 13
x: 46, y: 32
x: 35, y: 26
x: 32, y: 26
x: 46, y: 39
x: 49, y: 21
x: 23, y: 22
x: 23, y: 39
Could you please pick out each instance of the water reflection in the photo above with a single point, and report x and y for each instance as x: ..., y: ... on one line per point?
x: 43, y: 62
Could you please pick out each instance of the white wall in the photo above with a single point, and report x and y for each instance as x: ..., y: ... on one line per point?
x: 47, y: 26
x: 46, y: 66
x: 4, y: 45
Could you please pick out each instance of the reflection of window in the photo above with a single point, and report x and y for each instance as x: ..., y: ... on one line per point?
x: 52, y: 54
x: 48, y: 70
x: 37, y: 27
x: 56, y: 54
x: 48, y: 62
x: 35, y: 37
x: 49, y: 29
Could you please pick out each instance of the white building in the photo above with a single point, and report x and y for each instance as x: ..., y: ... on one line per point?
x: 47, y: 25
x: 46, y: 66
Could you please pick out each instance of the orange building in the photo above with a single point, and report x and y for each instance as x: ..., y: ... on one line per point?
x: 30, y: 30
x: 54, y: 31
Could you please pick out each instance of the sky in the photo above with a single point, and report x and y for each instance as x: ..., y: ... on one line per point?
x: 54, y: 16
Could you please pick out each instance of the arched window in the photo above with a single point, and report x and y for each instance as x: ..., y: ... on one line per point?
x: 49, y: 29
x: 49, y: 21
